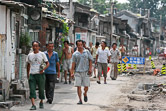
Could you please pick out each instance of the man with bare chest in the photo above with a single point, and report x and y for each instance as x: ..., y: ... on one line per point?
x: 67, y: 52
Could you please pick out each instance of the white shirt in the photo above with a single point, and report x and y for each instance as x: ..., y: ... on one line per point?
x: 164, y: 50
x: 35, y: 60
x: 103, y: 55
x: 114, y: 55
x: 94, y: 51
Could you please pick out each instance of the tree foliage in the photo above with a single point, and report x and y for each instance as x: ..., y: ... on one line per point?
x: 100, y: 5
x: 157, y: 7
x: 144, y: 5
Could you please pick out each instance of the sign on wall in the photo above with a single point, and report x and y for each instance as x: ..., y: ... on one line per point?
x: 81, y: 36
x: 133, y: 60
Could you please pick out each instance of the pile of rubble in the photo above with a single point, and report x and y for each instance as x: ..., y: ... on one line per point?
x: 148, y: 93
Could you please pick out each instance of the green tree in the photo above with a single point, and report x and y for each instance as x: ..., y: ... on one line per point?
x: 100, y: 5
x: 122, y: 6
x: 153, y: 5
x: 157, y: 7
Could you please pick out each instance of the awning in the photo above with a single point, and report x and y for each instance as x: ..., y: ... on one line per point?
x: 53, y: 18
x: 117, y: 36
x: 99, y: 36
x: 56, y: 17
x: 132, y: 35
x: 85, y: 28
x: 15, y: 4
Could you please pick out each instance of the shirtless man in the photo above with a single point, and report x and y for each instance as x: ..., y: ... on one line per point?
x: 122, y: 49
x: 67, y: 52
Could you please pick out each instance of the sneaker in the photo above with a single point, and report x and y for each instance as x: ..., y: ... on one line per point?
x: 49, y: 101
x: 94, y: 77
x: 98, y: 82
x: 79, y: 103
x: 41, y: 105
x: 105, y: 82
x: 33, y: 107
x: 65, y: 82
x: 85, y: 98
x: 69, y: 82
x: 113, y: 79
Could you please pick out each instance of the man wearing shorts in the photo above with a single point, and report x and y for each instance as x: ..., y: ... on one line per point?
x: 35, y: 73
x: 82, y: 64
x: 94, y: 50
x: 67, y: 52
x: 102, y: 58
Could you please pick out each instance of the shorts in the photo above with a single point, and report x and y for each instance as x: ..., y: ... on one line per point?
x: 93, y: 64
x: 67, y: 64
x: 82, y: 79
x: 102, y: 67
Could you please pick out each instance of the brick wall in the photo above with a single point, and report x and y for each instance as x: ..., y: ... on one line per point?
x: 42, y: 34
x: 80, y: 30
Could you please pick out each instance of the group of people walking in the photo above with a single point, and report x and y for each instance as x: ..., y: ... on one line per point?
x: 44, y: 67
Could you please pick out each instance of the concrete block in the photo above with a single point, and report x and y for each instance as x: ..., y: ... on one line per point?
x: 16, y: 85
x: 4, y: 88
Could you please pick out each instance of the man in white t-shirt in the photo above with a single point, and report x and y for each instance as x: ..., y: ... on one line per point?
x: 102, y: 58
x: 35, y: 73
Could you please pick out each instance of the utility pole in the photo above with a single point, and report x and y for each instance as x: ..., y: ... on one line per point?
x: 71, y: 9
x: 148, y: 15
x: 71, y: 18
x: 91, y: 3
x: 160, y: 30
x: 112, y: 16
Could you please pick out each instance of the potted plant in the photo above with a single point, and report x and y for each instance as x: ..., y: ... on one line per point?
x: 25, y: 43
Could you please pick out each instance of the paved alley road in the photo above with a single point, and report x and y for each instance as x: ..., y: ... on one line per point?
x: 66, y: 98
x: 103, y: 97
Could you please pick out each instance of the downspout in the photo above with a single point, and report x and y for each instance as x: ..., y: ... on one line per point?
x: 5, y: 75
x: 20, y: 67
x: 20, y: 55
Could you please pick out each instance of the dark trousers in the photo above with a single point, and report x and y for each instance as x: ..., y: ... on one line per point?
x: 50, y: 85
x: 39, y: 80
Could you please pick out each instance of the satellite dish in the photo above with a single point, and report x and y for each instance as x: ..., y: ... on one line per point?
x: 35, y: 15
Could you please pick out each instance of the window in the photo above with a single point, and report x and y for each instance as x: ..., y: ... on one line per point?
x: 34, y: 35
x: 93, y: 39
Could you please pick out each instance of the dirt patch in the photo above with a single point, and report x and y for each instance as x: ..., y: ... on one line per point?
x: 127, y: 101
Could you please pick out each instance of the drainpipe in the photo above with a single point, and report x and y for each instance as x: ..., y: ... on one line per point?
x: 20, y: 68
x: 5, y: 59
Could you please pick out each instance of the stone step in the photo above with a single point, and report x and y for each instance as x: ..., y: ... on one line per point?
x: 18, y: 98
x: 6, y: 105
x: 16, y: 85
x: 24, y: 92
x: 1, y: 98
